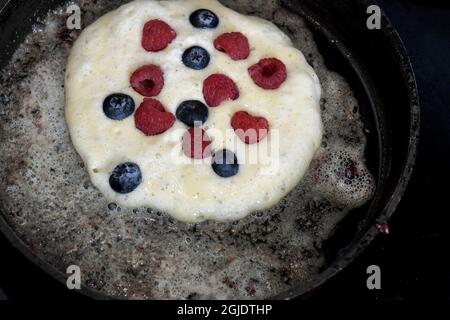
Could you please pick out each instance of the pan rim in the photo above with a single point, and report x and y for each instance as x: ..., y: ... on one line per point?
x: 353, y: 250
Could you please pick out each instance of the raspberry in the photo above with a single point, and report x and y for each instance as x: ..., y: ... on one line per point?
x: 268, y: 73
x: 152, y: 119
x: 148, y: 80
x: 248, y: 128
x: 235, y: 44
x: 196, y: 144
x: 157, y: 35
x: 217, y: 88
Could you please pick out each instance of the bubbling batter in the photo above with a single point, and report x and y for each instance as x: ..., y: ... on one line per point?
x: 149, y: 145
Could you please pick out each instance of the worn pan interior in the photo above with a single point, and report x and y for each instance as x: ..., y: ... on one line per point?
x: 376, y: 65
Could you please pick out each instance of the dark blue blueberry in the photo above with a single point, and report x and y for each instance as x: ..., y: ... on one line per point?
x: 192, y: 113
x: 225, y: 164
x: 196, y: 58
x: 118, y: 106
x: 125, y: 178
x: 204, y: 18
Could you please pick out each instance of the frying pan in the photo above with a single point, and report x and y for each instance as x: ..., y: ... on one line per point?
x: 377, y: 67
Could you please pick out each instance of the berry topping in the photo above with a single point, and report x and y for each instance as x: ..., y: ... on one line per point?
x: 125, y: 178
x: 196, y: 58
x: 192, y: 113
x: 235, y: 44
x: 218, y: 88
x: 268, y: 73
x: 196, y: 144
x: 157, y: 35
x: 118, y: 106
x: 148, y: 80
x: 248, y: 128
x: 225, y: 164
x: 152, y: 119
x: 204, y: 19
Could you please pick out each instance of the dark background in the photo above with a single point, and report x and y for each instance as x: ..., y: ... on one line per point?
x: 414, y: 257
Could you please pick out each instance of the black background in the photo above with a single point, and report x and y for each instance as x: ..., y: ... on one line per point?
x: 413, y: 258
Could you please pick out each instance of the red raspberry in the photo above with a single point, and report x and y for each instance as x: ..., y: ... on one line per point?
x: 235, y: 44
x: 148, y: 80
x: 157, y: 35
x: 152, y: 119
x: 217, y: 88
x: 268, y: 73
x: 196, y: 144
x: 248, y: 128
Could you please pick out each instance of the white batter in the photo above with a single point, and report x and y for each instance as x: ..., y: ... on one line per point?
x: 109, y: 51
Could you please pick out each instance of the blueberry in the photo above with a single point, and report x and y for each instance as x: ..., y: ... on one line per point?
x: 225, y: 164
x: 196, y: 58
x: 204, y: 18
x: 192, y: 113
x: 118, y: 106
x: 125, y: 178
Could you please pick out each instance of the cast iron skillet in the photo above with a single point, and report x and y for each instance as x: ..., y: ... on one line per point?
x: 377, y: 67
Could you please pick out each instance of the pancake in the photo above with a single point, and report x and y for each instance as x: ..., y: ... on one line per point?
x: 108, y: 52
